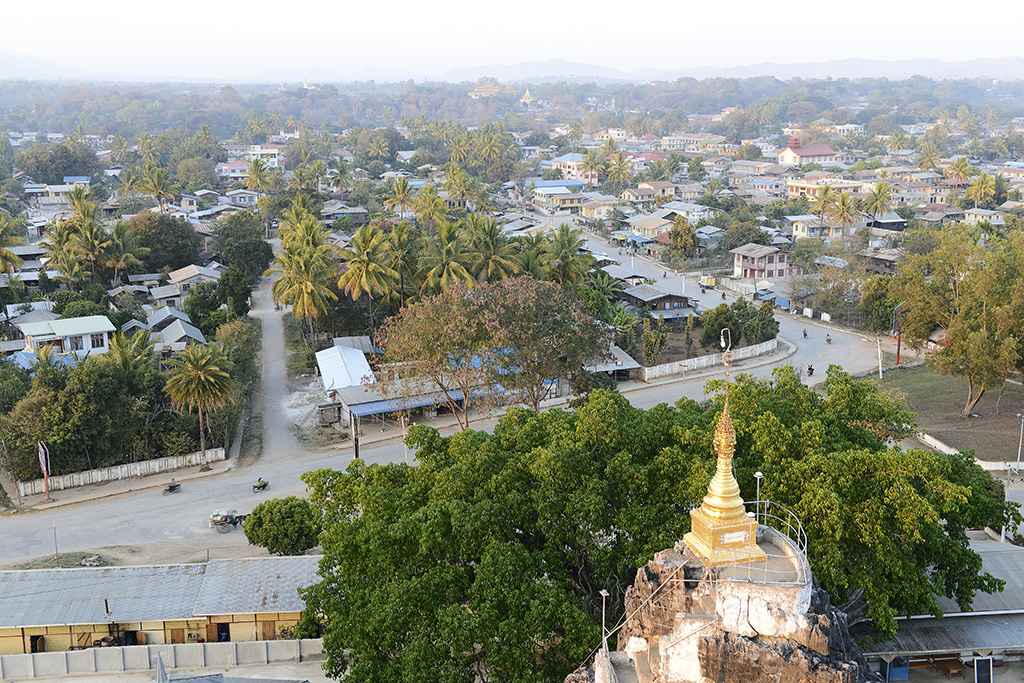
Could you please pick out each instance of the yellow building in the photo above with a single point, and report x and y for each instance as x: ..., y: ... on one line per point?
x: 48, y: 610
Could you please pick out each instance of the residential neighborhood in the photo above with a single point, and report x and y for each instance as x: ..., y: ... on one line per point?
x: 456, y: 379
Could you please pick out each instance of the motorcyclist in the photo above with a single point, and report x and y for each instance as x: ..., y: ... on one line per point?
x: 810, y: 370
x: 828, y: 339
x: 805, y: 333
x: 260, y: 484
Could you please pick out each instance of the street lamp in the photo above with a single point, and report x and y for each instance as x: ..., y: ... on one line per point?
x: 604, y: 632
x: 1021, y: 441
x: 759, y: 476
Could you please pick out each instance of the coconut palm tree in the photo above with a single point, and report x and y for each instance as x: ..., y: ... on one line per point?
x: 960, y: 170
x: 131, y: 351
x: 563, y: 257
x: 898, y: 141
x: 342, y: 176
x: 9, y: 261
x: 90, y: 242
x: 492, y: 256
x: 83, y: 208
x: 57, y: 246
x: 401, y: 198
x: 257, y: 176
x: 308, y: 234
x: 844, y: 212
x: 302, y: 284
x: 593, y: 165
x: 429, y: 207
x: 459, y: 152
x: 575, y: 131
x: 118, y: 149
x: 405, y: 247
x: 822, y: 203
x: 928, y: 159
x: 368, y: 268
x: 879, y: 200
x: 489, y: 146
x: 123, y: 250
x: 443, y: 259
x: 198, y: 379
x: 609, y: 146
x: 158, y: 183
x: 379, y: 148
x: 981, y: 189
x: 619, y: 170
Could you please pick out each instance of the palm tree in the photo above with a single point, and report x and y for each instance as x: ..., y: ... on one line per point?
x: 928, y: 160
x: 123, y: 250
x: 404, y: 250
x: 460, y: 150
x: 302, y: 284
x: 619, y: 169
x: 492, y: 255
x: 82, y: 207
x: 429, y: 207
x: 823, y: 201
x: 158, y: 183
x: 308, y: 234
x: 960, y: 170
x: 575, y: 131
x: 57, y: 246
x: 982, y: 188
x: 369, y: 270
x: 317, y: 171
x: 9, y: 261
x: 593, y: 165
x: 442, y: 261
x: 609, y: 146
x: 879, y: 200
x: 118, y: 149
x: 489, y: 146
x: 898, y: 141
x: 379, y: 148
x: 342, y: 177
x: 844, y: 211
x: 90, y: 242
x: 131, y: 351
x: 198, y: 380
x: 401, y: 196
x: 563, y: 257
x: 257, y: 176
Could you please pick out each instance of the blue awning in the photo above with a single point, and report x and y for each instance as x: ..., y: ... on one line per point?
x: 391, y: 405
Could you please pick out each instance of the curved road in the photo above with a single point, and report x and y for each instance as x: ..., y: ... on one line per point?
x: 148, y: 517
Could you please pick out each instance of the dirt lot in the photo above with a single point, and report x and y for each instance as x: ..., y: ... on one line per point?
x: 939, y: 400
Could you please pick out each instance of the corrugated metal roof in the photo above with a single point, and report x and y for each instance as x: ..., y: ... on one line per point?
x: 46, y: 597
x: 342, y: 366
x: 69, y: 327
x: 954, y: 634
x: 265, y: 584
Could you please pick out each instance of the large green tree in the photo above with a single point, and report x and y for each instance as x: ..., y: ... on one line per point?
x: 487, y: 558
x: 284, y: 526
x: 172, y: 242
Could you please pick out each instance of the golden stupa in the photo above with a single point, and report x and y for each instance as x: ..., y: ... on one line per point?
x: 721, y: 531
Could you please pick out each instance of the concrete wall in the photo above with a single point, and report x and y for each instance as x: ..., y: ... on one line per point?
x: 135, y: 469
x: 681, y: 367
x: 145, y: 657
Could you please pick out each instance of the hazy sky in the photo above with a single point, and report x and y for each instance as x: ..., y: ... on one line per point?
x: 221, y: 39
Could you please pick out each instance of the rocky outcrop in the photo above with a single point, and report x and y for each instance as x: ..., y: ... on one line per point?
x: 689, y: 625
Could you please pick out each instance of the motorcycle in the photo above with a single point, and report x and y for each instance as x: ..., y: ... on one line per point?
x: 173, y: 487
x: 805, y: 334
x: 810, y: 370
x: 828, y: 339
x: 260, y: 486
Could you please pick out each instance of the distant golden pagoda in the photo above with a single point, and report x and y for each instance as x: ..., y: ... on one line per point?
x: 721, y: 531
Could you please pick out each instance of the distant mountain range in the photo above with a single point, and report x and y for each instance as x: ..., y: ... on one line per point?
x: 14, y: 66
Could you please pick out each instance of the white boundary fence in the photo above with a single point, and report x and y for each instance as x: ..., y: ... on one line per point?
x: 712, y: 360
x: 108, y: 660
x: 135, y: 469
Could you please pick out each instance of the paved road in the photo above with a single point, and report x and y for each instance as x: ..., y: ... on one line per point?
x: 148, y: 517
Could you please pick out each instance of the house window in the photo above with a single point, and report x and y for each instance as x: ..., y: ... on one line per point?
x: 97, y: 341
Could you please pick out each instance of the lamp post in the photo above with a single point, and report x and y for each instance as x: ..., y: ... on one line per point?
x: 759, y: 476
x: 604, y: 632
x: 1021, y: 441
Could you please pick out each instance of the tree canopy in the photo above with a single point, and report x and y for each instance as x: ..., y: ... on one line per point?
x: 486, y: 559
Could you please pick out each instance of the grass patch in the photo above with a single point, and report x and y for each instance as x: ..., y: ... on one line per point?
x: 939, y: 400
x: 252, y: 439
x: 67, y: 560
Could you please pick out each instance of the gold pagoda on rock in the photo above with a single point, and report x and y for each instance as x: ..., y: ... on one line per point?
x: 721, y: 531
